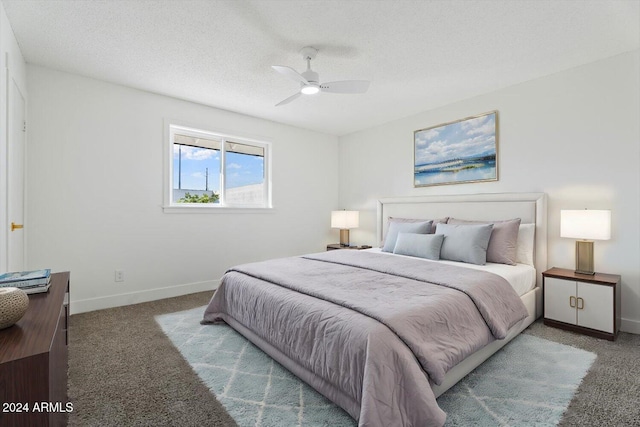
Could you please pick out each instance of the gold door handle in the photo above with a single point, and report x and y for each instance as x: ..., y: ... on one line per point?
x: 15, y: 226
x: 580, y: 300
x: 572, y: 302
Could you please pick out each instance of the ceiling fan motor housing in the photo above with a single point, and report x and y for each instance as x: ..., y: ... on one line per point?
x: 313, y: 86
x: 311, y: 76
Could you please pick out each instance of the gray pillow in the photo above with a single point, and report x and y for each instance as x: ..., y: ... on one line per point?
x: 503, y: 244
x: 433, y: 226
x: 419, y: 245
x: 392, y: 219
x: 403, y: 227
x: 466, y: 243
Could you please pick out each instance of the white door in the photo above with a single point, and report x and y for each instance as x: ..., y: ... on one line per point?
x: 595, y: 310
x: 559, y: 296
x: 15, y: 177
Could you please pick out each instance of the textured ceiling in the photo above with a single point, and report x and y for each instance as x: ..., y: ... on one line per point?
x: 418, y: 54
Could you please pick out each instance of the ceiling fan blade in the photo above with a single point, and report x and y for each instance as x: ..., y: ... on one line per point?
x: 289, y: 99
x: 291, y: 73
x: 345, y: 86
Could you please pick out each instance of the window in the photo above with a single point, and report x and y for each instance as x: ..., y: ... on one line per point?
x: 212, y: 170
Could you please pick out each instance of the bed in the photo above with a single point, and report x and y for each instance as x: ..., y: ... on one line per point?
x: 383, y: 335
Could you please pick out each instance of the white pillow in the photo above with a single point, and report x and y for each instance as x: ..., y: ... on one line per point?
x: 526, y: 239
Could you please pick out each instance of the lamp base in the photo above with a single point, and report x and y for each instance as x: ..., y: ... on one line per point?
x: 344, y: 237
x: 584, y: 257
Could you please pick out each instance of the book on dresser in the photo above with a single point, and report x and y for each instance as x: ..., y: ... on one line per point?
x: 32, y: 282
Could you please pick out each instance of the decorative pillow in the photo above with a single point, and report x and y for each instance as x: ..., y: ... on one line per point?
x: 526, y: 239
x: 466, y: 243
x: 403, y: 220
x: 419, y: 245
x: 503, y: 242
x: 404, y: 227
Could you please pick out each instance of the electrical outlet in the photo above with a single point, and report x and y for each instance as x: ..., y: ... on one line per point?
x: 119, y: 276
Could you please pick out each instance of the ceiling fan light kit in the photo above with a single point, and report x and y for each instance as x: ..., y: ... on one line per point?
x: 310, y: 89
x: 310, y: 80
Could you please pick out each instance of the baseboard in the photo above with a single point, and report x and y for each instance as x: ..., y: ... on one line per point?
x: 92, y: 304
x: 631, y: 326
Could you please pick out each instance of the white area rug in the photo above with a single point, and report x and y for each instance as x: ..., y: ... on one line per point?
x: 528, y: 383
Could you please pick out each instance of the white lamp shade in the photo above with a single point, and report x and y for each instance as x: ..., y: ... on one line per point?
x: 345, y: 219
x: 585, y: 224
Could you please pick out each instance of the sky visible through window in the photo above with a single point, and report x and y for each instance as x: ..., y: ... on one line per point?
x: 191, y: 165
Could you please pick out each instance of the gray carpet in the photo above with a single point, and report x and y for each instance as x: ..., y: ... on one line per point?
x: 610, y: 393
x: 123, y: 371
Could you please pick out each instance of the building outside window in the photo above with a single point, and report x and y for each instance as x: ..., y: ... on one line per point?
x: 216, y: 170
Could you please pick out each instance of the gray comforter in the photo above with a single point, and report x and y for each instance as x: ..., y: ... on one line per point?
x: 369, y: 331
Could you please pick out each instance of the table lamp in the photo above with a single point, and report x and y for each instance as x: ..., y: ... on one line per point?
x: 587, y: 225
x: 344, y: 220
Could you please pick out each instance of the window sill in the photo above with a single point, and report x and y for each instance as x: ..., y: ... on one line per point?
x: 194, y: 209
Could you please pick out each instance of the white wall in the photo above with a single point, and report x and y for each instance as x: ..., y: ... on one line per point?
x: 574, y: 135
x: 11, y: 62
x: 95, y: 161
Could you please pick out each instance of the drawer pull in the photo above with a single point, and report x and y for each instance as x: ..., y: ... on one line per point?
x: 580, y: 307
x: 15, y: 226
x: 572, y: 302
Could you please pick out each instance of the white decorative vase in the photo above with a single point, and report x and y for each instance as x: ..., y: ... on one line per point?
x: 13, y: 305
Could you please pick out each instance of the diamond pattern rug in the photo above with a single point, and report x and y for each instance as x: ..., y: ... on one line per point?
x: 529, y: 382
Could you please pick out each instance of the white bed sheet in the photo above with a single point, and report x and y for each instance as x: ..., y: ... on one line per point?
x: 521, y: 277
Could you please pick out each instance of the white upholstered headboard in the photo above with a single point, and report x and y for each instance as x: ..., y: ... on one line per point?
x: 529, y: 207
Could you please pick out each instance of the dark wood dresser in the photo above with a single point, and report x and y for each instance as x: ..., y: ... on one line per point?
x: 33, y: 361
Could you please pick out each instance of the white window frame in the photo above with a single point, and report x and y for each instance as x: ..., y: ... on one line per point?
x: 170, y: 206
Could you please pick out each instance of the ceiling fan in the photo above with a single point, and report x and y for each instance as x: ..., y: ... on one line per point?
x: 310, y: 81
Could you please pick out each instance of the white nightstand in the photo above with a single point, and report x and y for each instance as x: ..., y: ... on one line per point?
x: 588, y: 304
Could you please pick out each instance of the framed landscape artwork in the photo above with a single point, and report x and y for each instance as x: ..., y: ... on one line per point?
x: 457, y: 152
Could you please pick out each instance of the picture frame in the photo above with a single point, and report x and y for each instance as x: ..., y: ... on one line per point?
x: 458, y: 152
